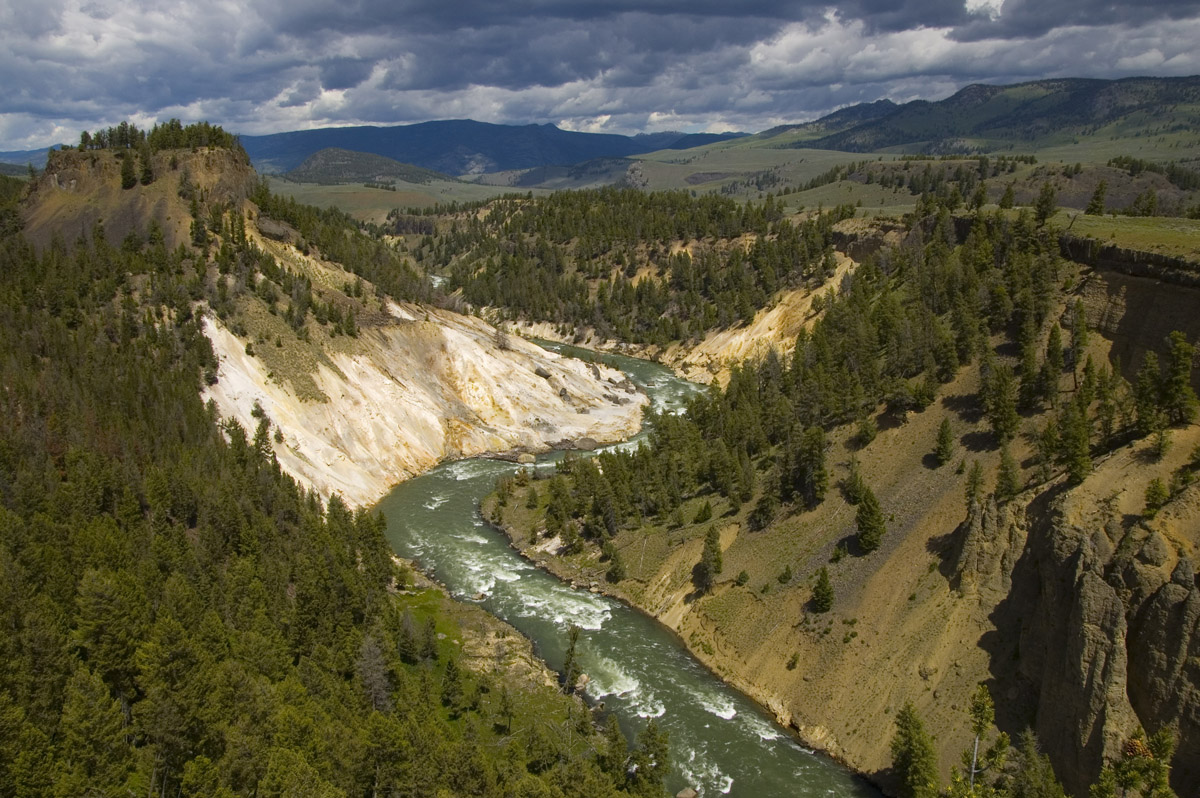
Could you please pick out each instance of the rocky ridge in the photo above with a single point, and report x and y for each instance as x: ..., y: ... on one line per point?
x: 1079, y: 613
x: 429, y: 386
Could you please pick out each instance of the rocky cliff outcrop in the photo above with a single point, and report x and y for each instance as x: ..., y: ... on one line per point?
x: 1098, y: 624
x: 350, y: 412
x: 80, y: 189
x: 405, y: 395
x: 1134, y: 262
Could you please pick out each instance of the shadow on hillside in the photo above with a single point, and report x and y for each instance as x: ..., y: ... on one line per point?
x: 1009, y: 349
x: 965, y: 406
x: 978, y: 441
x: 1130, y: 520
x: 891, y: 419
x: 945, y: 548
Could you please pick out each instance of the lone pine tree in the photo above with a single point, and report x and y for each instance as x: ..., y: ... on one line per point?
x: 822, y: 597
x: 945, y: 442
x: 914, y: 761
x: 871, y: 526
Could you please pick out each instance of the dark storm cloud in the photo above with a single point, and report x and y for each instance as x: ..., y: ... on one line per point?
x: 344, y: 73
x: 262, y: 65
x: 629, y: 51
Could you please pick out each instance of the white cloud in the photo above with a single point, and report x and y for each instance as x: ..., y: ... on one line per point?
x: 265, y: 65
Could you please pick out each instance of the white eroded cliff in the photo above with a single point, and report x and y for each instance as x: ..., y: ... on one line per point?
x: 430, y: 386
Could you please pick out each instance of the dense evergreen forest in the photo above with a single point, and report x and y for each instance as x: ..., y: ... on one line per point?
x: 897, y: 328
x: 359, y: 248
x: 615, y: 259
x: 902, y: 324
x: 180, y: 617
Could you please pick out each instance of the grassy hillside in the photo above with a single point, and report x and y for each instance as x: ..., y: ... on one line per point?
x: 332, y: 165
x: 1039, y: 114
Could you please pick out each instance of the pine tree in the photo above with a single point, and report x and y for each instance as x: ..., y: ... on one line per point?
x: 94, y: 734
x: 1054, y: 354
x: 982, y: 712
x: 1001, y: 402
x: 1030, y: 774
x: 1156, y: 496
x: 289, y: 774
x: 974, y: 483
x: 1147, y: 395
x: 814, y: 476
x: 1075, y: 434
x: 979, y: 199
x: 1144, y: 768
x: 871, y: 526
x: 822, y: 596
x: 147, y: 159
x: 616, y: 568
x: 914, y: 761
x: 1008, y: 482
x: 1046, y: 204
x: 1007, y: 199
x: 1095, y: 206
x: 1178, y: 397
x: 945, y: 442
x: 407, y: 645
x: 854, y: 486
x: 128, y: 173
x: 507, y: 708
x: 570, y: 673
x: 1079, y: 334
x: 710, y: 564
x: 651, y: 760
x: 616, y: 751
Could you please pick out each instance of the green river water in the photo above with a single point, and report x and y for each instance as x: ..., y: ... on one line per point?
x: 720, y: 741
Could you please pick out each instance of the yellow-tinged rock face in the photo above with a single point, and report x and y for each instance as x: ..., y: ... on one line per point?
x: 414, y: 393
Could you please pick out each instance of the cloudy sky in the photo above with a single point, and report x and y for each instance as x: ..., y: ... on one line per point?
x: 261, y: 66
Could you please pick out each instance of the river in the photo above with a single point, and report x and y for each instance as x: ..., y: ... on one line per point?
x: 720, y: 741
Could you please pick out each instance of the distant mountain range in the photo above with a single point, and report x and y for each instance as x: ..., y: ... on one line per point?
x: 463, y: 146
x: 23, y: 158
x: 839, y: 120
x: 988, y: 117
x: 977, y: 118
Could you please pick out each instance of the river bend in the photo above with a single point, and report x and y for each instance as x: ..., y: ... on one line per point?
x: 720, y: 741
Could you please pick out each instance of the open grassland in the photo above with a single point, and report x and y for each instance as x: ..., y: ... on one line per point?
x: 1162, y: 234
x: 373, y: 204
x: 875, y: 199
x: 1099, y: 148
x: 710, y: 169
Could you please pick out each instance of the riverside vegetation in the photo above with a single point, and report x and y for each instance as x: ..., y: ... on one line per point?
x: 181, y: 617
x: 984, y: 300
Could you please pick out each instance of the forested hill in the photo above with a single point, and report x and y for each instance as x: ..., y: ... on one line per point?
x: 181, y: 618
x: 641, y: 267
x: 345, y: 166
x: 987, y: 117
